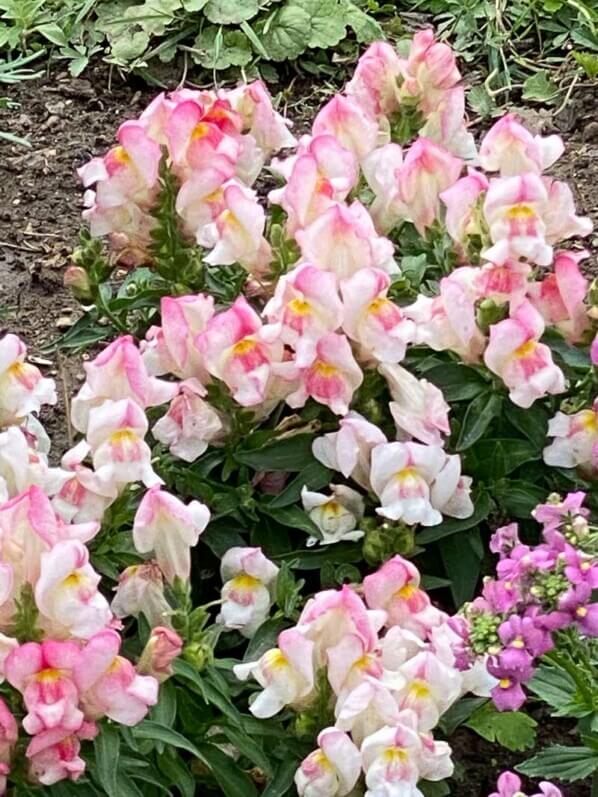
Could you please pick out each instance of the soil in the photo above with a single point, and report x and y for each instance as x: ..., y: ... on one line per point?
x: 70, y: 120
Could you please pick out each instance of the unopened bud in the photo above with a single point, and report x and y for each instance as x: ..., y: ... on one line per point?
x: 162, y: 648
x: 77, y: 279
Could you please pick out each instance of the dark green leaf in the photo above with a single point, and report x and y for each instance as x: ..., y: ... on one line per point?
x: 291, y: 453
x: 264, y: 638
x: 462, y: 563
x: 459, y: 712
x: 561, y: 763
x: 557, y: 688
x: 531, y: 422
x: 175, y: 769
x: 517, y: 497
x: 493, y: 458
x: 107, y: 750
x: 233, y: 781
x: 457, y: 382
x: 574, y: 356
x: 512, y: 729
x: 160, y: 733
x: 282, y: 781
x: 482, y: 507
x: 478, y: 416
x: 294, y: 517
x: 313, y: 476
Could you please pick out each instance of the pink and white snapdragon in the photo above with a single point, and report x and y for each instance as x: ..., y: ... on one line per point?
x: 348, y: 451
x: 22, y: 387
x: 249, y: 583
x: 351, y: 125
x: 165, y: 525
x: 509, y: 148
x: 559, y: 297
x: 575, y: 443
x: 337, y: 516
x: 523, y: 363
x: 332, y: 770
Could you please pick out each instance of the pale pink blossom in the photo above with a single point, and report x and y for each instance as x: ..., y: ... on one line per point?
x: 43, y: 673
x: 348, y: 450
x: 307, y: 306
x: 200, y: 199
x: 54, y: 756
x: 22, y: 387
x: 448, y: 321
x: 9, y: 733
x: 416, y: 483
x: 463, y: 201
x: 237, y: 233
x: 140, y: 590
x: 446, y: 125
x: 418, y: 407
x: 559, y: 297
x: 375, y: 81
x: 395, y: 589
x: 236, y: 349
x: 365, y: 709
x: 559, y: 213
x: 170, y: 348
x: 430, y: 70
x: 428, y: 169
x: 67, y: 593
x: 504, y: 282
x: 575, y: 441
x: 336, y: 516
x: 118, y: 372
x: 249, y: 583
x: 190, y: 425
x: 165, y: 525
x: 431, y: 687
x: 373, y: 320
x: 82, y: 497
x: 523, y: 363
x: 23, y: 464
x: 381, y: 169
x: 332, y: 614
x: 109, y: 683
x: 391, y: 757
x: 163, y: 647
x: 509, y: 148
x: 332, y: 770
x: 253, y: 103
x: 343, y: 240
x: 322, y: 173
x: 332, y: 376
x: 346, y: 120
x: 285, y: 673
x: 115, y: 438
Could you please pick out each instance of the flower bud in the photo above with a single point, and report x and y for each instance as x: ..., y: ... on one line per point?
x: 162, y: 648
x: 77, y: 279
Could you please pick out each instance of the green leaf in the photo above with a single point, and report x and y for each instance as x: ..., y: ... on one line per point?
x: 512, y: 729
x: 461, y: 558
x: 457, y: 382
x: 459, y: 712
x: 531, y: 422
x: 434, y: 788
x: 478, y: 417
x: 249, y: 747
x: 573, y: 356
x: 480, y: 101
x: 493, y: 458
x: 294, y: 517
x: 53, y: 33
x: 327, y: 21
x: 365, y: 27
x: 230, y: 12
x: 283, y: 778
x: 557, y: 688
x: 161, y: 733
x: 289, y: 454
x: 313, y: 476
x: 482, y: 507
x: 517, y: 497
x: 561, y: 763
x: 540, y: 88
x: 214, y: 50
x: 107, y: 750
x: 175, y: 769
x: 233, y: 781
x: 264, y: 638
x: 286, y: 33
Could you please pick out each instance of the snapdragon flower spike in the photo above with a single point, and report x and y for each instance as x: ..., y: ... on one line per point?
x: 323, y: 172
x: 117, y: 373
x: 306, y: 306
x: 416, y: 483
x: 332, y: 770
x: 418, y: 407
x: 348, y: 451
x: 249, y: 583
x: 559, y: 297
x: 237, y: 350
x: 170, y: 348
x: 337, y: 516
x: 43, y: 673
x: 428, y: 169
x: 523, y: 363
x: 375, y: 81
x: 190, y: 424
x: 351, y: 125
x: 115, y: 439
x: 343, y: 240
x: 67, y: 595
x: 286, y: 674
x: 109, y: 684
x: 509, y: 148
x: 331, y: 377
x: 373, y: 320
x: 165, y: 525
x: 22, y: 387
x: 575, y: 443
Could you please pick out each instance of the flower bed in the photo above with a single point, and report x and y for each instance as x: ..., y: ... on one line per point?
x: 307, y: 402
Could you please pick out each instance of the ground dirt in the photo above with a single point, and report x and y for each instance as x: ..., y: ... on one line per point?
x: 68, y: 121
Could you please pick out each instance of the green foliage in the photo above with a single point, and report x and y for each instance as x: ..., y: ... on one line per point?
x: 514, y: 730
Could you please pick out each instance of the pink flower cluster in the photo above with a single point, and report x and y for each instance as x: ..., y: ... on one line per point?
x: 216, y: 144
x: 48, y: 587
x: 509, y: 785
x: 538, y: 591
x: 390, y: 662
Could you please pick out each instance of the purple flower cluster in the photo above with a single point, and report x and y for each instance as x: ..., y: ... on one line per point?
x: 509, y: 785
x: 538, y: 590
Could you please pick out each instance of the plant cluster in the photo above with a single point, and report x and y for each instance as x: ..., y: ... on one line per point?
x: 385, y: 362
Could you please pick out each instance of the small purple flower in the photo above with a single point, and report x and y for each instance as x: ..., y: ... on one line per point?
x: 576, y: 603
x: 580, y: 569
x: 505, y: 539
x: 508, y: 694
x: 553, y: 515
x: 548, y: 790
x: 499, y: 596
x: 508, y: 785
x: 524, y: 634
